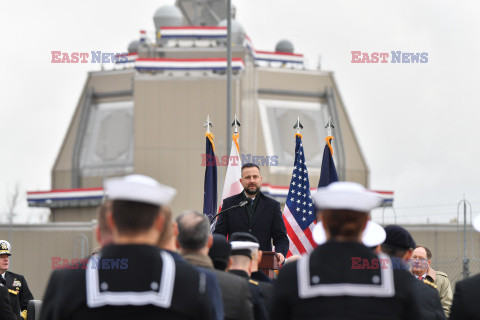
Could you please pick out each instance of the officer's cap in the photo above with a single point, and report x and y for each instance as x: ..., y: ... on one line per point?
x: 347, y: 196
x: 243, y: 243
x: 220, y: 250
x: 372, y: 236
x: 5, y: 247
x: 139, y: 188
x: 399, y: 237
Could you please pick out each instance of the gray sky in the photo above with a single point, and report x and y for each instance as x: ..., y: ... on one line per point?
x: 416, y: 123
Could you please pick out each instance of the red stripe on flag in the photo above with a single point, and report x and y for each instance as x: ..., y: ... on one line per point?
x: 308, y: 234
x: 294, y: 238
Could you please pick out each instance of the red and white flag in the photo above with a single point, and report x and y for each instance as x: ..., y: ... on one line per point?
x: 232, y: 185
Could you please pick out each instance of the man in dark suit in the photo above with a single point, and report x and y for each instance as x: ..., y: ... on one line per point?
x: 261, y: 217
x: 15, y: 283
x: 466, y: 298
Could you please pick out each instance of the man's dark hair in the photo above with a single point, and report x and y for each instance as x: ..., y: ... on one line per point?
x: 132, y: 218
x: 220, y: 252
x: 250, y: 165
x: 393, y: 251
x: 193, y: 230
x: 429, y: 253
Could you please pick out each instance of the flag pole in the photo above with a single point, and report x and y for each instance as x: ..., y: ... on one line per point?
x: 229, y: 72
x: 235, y: 124
x: 208, y: 124
x: 298, y: 126
x: 329, y: 127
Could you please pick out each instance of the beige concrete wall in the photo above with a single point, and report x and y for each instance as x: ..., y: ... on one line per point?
x: 33, y: 247
x: 169, y: 133
x: 84, y: 214
x: 100, y: 82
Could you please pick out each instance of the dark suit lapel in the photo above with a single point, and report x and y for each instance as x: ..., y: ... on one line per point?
x: 260, y: 206
x: 243, y: 211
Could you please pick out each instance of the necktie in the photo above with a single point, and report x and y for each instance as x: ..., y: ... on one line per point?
x: 2, y: 281
x: 420, y: 278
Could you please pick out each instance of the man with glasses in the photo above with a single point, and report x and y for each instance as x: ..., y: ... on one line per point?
x: 421, y: 261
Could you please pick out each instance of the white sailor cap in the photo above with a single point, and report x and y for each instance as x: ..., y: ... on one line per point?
x: 5, y: 247
x: 244, y: 248
x: 372, y: 236
x: 476, y: 223
x: 139, y: 188
x: 347, y: 196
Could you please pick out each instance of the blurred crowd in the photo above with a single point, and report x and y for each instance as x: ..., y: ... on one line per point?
x: 177, y: 269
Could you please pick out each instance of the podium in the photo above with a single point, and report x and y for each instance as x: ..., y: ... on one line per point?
x: 269, y: 264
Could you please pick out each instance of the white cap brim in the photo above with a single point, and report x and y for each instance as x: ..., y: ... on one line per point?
x: 373, y: 235
x: 476, y: 223
x: 346, y: 196
x: 242, y: 245
x: 139, y: 188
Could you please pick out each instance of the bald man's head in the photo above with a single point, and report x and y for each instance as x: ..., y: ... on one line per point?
x: 193, y: 230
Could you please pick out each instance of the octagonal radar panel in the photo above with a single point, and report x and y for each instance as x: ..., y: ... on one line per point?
x: 203, y: 12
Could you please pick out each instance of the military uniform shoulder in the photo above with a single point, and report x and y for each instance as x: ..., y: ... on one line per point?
x: 430, y: 283
x: 253, y: 282
x: 440, y: 273
x: 13, y: 274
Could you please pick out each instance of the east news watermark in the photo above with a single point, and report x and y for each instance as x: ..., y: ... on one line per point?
x: 359, y: 263
x: 262, y: 161
x: 88, y: 57
x: 97, y: 263
x: 389, y: 57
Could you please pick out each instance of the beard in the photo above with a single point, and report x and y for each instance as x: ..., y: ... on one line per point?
x: 251, y: 192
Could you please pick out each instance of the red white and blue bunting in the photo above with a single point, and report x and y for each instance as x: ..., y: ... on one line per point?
x: 93, y: 196
x: 65, y: 198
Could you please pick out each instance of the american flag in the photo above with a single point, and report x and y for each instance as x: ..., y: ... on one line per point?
x: 299, y: 214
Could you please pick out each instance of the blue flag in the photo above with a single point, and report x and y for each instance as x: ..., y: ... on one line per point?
x: 210, y: 183
x: 328, y: 173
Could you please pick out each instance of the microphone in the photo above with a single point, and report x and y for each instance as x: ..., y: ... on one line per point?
x: 244, y: 203
x: 240, y: 205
